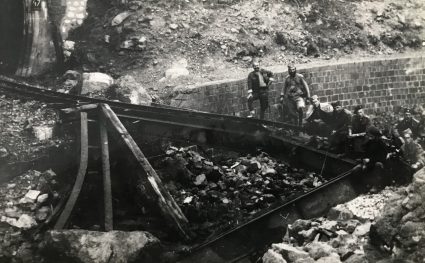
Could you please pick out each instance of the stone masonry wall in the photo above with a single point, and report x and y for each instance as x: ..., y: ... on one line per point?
x: 378, y: 84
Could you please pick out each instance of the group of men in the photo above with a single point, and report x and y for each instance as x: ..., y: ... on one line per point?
x: 345, y: 132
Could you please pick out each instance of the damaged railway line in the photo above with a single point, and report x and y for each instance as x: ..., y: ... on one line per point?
x: 119, y: 141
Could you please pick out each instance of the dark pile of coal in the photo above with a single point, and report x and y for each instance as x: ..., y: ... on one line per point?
x: 217, y: 193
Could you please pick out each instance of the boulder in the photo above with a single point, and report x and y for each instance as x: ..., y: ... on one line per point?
x: 94, y: 82
x: 333, y: 258
x: 318, y: 250
x: 96, y: 247
x: 289, y: 252
x: 127, y: 89
x: 272, y: 256
x: 340, y: 212
x: 362, y: 229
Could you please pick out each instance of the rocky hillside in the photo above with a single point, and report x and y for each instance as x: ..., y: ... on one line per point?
x: 166, y: 43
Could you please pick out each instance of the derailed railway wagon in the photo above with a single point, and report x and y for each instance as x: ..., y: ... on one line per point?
x: 135, y: 134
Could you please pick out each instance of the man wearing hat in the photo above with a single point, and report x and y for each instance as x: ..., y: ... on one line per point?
x: 259, y: 81
x: 296, y: 91
x: 340, y: 122
x: 408, y: 122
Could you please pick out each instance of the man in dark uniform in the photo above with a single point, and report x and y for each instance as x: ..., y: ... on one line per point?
x: 296, y: 91
x: 408, y: 122
x: 340, y: 122
x: 259, y: 81
x: 357, y: 130
x: 412, y: 152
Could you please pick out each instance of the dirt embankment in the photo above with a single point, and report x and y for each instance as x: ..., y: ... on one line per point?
x: 218, y: 40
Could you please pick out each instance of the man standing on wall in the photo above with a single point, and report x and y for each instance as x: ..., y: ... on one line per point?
x: 259, y: 81
x: 296, y: 91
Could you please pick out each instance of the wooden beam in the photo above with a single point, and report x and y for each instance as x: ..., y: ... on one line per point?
x: 63, y: 219
x: 106, y: 171
x: 150, y: 181
x: 80, y: 108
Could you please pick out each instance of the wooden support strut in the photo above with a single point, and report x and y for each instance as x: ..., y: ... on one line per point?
x: 151, y: 181
x: 107, y: 191
x: 63, y: 219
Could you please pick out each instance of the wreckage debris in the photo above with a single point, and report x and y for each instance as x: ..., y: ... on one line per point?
x: 217, y: 193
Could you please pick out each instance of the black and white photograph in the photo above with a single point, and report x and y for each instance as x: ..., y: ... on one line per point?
x: 210, y: 131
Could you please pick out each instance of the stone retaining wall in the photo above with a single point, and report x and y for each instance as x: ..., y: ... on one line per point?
x: 378, y: 84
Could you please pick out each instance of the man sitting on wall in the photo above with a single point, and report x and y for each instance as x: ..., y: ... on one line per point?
x: 317, y: 118
x: 340, y: 121
x: 412, y: 152
x: 408, y: 122
x: 259, y: 81
x: 357, y: 129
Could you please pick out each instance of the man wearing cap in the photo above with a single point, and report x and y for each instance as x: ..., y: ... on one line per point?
x: 259, y: 81
x: 411, y: 151
x: 408, y: 122
x: 296, y: 91
x: 340, y: 122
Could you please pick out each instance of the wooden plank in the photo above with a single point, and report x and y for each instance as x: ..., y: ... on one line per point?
x: 106, y: 171
x: 80, y: 108
x: 63, y: 219
x: 151, y: 182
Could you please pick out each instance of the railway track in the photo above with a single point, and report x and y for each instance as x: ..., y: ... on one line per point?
x: 150, y: 127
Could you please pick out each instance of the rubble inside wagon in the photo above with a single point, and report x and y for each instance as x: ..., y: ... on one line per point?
x: 219, y: 190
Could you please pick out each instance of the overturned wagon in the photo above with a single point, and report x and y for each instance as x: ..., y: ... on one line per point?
x: 139, y: 137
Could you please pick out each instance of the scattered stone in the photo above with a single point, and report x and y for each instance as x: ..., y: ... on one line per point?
x: 3, y: 152
x: 32, y: 195
x: 118, y: 19
x: 93, y: 247
x: 42, y: 214
x: 319, y: 249
x: 174, y: 26
x: 43, y: 133
x: 200, y: 179
x: 272, y: 256
x: 362, y: 230
x: 135, y: 5
x: 42, y: 198
x: 12, y: 212
x: 25, y: 222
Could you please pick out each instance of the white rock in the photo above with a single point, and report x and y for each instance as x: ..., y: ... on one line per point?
x: 273, y: 257
x: 25, y: 222
x: 32, y: 195
x: 96, y: 81
x: 69, y: 45
x: 120, y: 18
x: 174, y: 26
x: 42, y: 198
x: 43, y: 133
x: 362, y: 230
